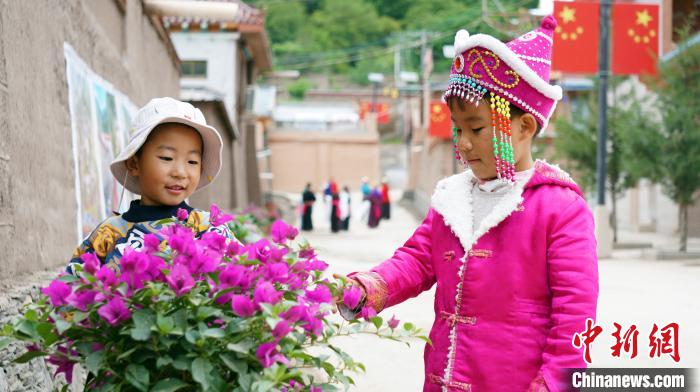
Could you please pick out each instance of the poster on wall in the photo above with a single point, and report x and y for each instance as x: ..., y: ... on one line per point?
x: 108, y: 143
x: 85, y: 156
x: 100, y: 120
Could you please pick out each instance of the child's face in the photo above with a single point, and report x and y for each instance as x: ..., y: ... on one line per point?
x: 169, y: 165
x: 475, y: 137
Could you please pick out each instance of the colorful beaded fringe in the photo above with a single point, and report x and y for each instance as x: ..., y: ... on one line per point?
x: 502, y: 138
x: 470, y: 91
x: 465, y: 88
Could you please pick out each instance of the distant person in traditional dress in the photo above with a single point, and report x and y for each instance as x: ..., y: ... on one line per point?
x: 375, y: 211
x: 365, y: 188
x: 366, y: 205
x: 345, y: 209
x: 386, y: 203
x: 335, y: 212
x: 308, y: 199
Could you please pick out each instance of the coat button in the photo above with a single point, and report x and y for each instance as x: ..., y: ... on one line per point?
x: 449, y: 255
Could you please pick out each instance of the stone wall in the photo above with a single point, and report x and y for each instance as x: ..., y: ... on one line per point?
x: 37, y: 192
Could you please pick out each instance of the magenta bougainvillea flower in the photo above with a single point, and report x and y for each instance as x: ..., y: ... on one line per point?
x: 242, y: 306
x: 268, y: 354
x: 280, y: 232
x: 81, y: 299
x: 320, y: 294
x: 216, y: 217
x: 63, y: 363
x: 91, y: 264
x: 200, y: 297
x: 352, y: 296
x: 393, y: 322
x: 265, y: 292
x: 151, y: 243
x: 106, y: 276
x: 182, y: 214
x: 367, y: 312
x: 180, y: 280
x: 58, y: 292
x: 114, y: 311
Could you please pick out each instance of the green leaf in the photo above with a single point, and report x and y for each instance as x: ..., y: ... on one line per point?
x: 408, y: 326
x: 45, y: 330
x: 192, y: 336
x: 137, y: 376
x: 180, y: 318
x: 216, y: 333
x: 182, y: 363
x: 28, y: 356
x: 245, y: 380
x: 126, y: 353
x: 29, y: 328
x: 79, y: 316
x: 205, y: 312
x: 93, y: 361
x: 262, y: 386
x: 200, y: 372
x: 68, y: 278
x: 237, y: 365
x: 166, y: 324
x: 328, y: 367
x: 169, y: 385
x: 144, y: 320
x: 243, y: 346
x: 377, y: 321
x: 163, y: 361
x: 62, y: 325
x: 30, y: 315
x: 4, y: 342
x: 164, y: 221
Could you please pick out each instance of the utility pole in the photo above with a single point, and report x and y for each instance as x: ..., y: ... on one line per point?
x: 426, y: 82
x: 603, y: 230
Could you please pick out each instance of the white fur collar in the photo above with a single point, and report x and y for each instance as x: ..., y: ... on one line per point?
x: 452, y: 199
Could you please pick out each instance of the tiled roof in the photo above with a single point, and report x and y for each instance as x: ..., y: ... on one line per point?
x: 247, y: 16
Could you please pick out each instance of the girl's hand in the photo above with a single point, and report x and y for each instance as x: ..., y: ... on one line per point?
x: 352, y: 298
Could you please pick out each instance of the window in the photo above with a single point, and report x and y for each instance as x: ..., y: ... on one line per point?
x: 194, y: 68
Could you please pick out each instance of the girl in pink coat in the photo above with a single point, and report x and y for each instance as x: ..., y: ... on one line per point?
x: 509, y: 243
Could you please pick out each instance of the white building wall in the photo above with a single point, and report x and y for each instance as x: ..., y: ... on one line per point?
x: 219, y: 50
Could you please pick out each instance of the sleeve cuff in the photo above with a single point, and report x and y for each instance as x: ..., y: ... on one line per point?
x: 375, y: 289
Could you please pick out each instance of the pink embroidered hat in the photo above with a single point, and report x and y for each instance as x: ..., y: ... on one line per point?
x: 515, y: 73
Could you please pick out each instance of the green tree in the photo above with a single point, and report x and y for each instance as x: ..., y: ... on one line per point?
x: 577, y: 137
x: 672, y: 150
x: 341, y: 24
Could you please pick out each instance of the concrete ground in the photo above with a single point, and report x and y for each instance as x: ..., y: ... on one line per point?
x: 633, y: 290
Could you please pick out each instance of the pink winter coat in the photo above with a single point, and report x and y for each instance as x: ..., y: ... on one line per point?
x: 509, y: 296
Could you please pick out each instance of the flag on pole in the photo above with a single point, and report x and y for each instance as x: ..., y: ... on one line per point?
x: 576, y: 37
x: 440, y: 121
x: 635, y: 40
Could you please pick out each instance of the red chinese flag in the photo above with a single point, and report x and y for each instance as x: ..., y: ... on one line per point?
x: 576, y: 37
x: 635, y: 39
x: 440, y: 121
x: 382, y: 110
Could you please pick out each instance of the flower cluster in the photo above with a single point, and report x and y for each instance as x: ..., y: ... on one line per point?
x: 198, y: 313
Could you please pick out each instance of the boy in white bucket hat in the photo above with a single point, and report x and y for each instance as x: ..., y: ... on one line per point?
x: 171, y: 154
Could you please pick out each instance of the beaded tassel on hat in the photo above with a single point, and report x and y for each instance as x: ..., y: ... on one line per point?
x: 502, y: 138
x: 455, y: 139
x: 465, y: 88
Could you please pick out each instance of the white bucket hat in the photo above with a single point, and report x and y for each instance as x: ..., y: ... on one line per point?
x: 168, y: 110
